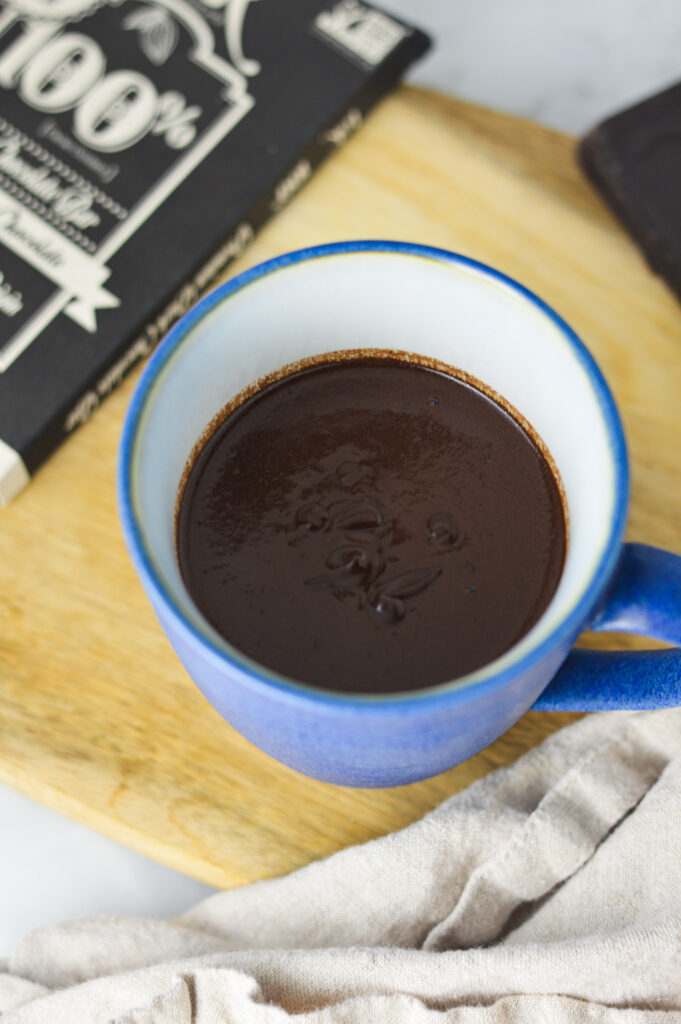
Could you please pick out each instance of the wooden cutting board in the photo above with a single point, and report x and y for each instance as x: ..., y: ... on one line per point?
x: 97, y: 717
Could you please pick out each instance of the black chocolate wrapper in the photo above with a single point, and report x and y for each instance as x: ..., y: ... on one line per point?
x: 142, y: 144
x: 634, y: 159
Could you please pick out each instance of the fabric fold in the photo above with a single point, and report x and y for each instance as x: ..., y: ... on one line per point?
x: 550, y: 890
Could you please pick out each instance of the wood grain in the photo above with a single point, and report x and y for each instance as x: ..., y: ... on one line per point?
x: 97, y: 717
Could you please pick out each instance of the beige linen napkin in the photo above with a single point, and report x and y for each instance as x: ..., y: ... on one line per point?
x: 547, y: 892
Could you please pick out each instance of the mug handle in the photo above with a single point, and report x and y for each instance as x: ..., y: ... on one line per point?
x: 644, y: 597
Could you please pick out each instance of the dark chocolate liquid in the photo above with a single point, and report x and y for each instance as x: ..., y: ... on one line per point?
x: 371, y: 525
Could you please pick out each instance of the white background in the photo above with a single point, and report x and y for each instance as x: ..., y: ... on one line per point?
x: 566, y: 63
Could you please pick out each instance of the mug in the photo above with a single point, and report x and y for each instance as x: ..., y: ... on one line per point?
x: 434, y: 303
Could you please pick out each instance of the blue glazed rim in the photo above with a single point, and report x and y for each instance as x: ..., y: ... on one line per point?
x: 454, y: 691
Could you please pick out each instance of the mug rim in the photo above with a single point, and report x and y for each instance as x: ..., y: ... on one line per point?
x: 456, y: 689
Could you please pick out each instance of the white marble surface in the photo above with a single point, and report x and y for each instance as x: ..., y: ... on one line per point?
x: 52, y: 869
x: 566, y: 63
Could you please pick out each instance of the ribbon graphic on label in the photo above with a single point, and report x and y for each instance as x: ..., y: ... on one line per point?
x: 58, y: 259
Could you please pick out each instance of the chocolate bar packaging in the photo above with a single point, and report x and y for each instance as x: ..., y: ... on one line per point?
x: 142, y: 144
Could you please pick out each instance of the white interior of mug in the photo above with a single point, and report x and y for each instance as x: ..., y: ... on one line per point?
x: 453, y: 312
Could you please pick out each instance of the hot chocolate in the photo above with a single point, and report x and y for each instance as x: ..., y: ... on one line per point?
x: 371, y: 524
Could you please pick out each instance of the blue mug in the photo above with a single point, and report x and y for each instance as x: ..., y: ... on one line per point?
x: 437, y: 304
